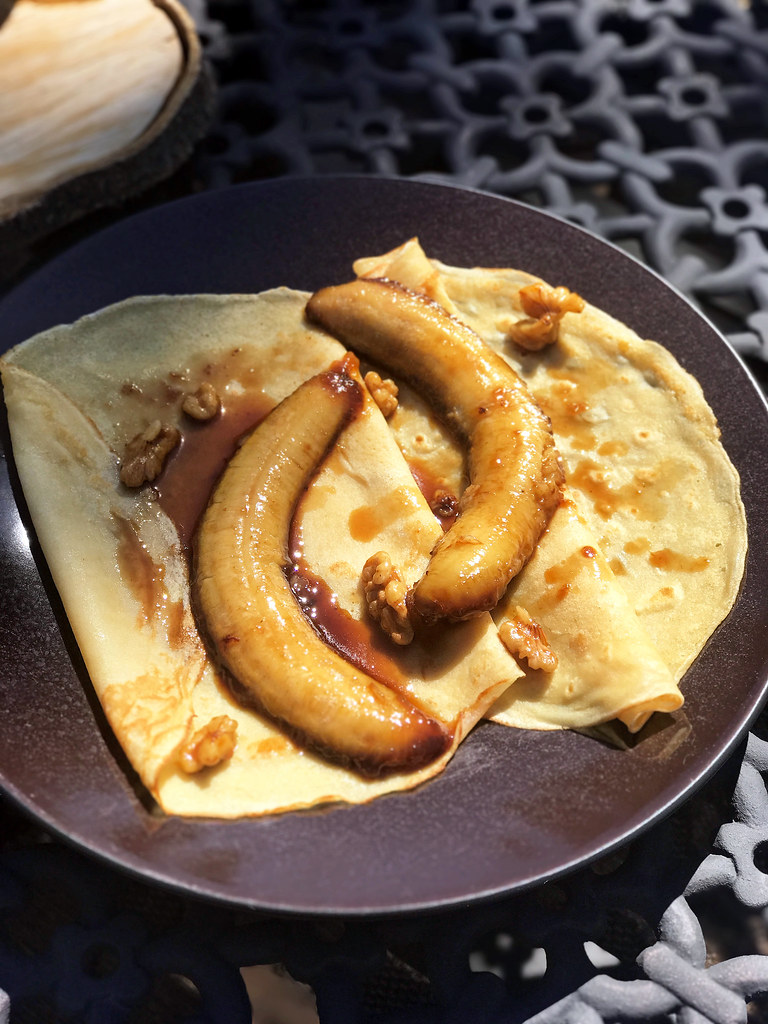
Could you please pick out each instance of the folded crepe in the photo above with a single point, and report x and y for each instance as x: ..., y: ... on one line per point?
x: 651, y: 497
x: 625, y: 582
x: 119, y: 556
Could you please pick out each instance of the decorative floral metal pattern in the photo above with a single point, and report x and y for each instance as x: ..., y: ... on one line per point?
x: 643, y: 120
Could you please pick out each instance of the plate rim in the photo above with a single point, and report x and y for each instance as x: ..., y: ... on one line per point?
x: 738, y: 734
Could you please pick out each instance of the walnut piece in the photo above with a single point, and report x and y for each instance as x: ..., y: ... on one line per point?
x: 209, y: 746
x: 385, y: 594
x: 146, y: 453
x: 545, y: 306
x: 444, y: 503
x: 526, y: 639
x: 202, y: 404
x: 383, y: 391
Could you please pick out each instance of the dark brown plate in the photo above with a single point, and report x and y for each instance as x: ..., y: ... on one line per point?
x: 513, y: 808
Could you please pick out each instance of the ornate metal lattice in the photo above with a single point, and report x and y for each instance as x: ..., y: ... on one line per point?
x: 642, y: 120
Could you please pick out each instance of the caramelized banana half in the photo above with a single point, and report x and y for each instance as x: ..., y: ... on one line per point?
x: 273, y: 657
x: 515, y: 470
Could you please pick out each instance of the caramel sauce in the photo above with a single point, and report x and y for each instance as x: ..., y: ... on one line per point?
x: 590, y: 377
x: 613, y: 448
x: 565, y: 411
x: 359, y: 643
x: 677, y: 562
x: 184, y: 487
x: 665, y: 558
x: 275, y: 745
x: 641, y: 497
x: 572, y: 395
x: 367, y: 521
x: 563, y: 575
x: 147, y: 582
x: 638, y: 546
x: 160, y: 393
x: 445, y: 511
x: 190, y: 474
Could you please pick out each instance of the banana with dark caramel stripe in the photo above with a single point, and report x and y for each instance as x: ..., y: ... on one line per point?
x: 270, y: 651
x: 515, y: 471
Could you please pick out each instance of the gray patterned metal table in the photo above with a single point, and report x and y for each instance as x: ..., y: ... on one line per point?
x: 646, y: 122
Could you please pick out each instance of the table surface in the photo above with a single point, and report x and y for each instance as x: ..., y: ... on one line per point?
x: 644, y: 121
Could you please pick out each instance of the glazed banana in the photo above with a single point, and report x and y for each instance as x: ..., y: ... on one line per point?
x: 272, y: 655
x: 515, y: 470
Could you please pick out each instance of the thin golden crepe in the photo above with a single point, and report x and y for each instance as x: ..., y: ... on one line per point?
x: 644, y: 558
x: 639, y: 564
x: 75, y: 395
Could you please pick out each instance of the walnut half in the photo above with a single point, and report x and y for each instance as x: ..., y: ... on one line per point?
x: 526, y: 639
x: 202, y: 404
x: 209, y: 746
x: 384, y: 392
x: 444, y: 503
x: 145, y: 454
x: 385, y: 594
x: 545, y: 307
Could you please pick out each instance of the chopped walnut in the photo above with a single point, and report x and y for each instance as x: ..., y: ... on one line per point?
x: 145, y: 454
x: 444, y: 503
x: 545, y: 307
x: 526, y: 639
x: 385, y: 594
x: 384, y: 392
x: 209, y: 746
x: 202, y: 404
